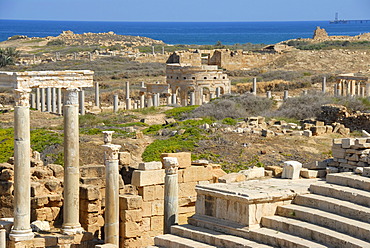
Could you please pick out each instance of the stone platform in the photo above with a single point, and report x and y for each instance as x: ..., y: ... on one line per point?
x: 247, y: 202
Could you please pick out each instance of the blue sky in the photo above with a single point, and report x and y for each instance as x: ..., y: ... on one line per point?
x: 184, y: 10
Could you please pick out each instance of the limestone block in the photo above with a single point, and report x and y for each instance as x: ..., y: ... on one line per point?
x: 39, y: 201
x: 158, y: 207
x: 106, y: 246
x: 134, y: 215
x: 307, y: 133
x: 151, y: 177
x: 183, y: 218
x: 315, y: 165
x: 200, y: 162
x: 6, y: 188
x: 129, y: 202
x: 129, y: 229
x: 253, y: 172
x: 39, y: 225
x: 184, y: 158
x: 329, y: 129
x: 145, y: 224
x: 231, y: 178
x: 147, y: 209
x: 6, y: 175
x: 156, y: 223
x: 347, y: 143
x: 267, y: 133
x: 124, y: 158
x: 187, y: 189
x: 276, y: 170
x: 318, y: 130
x: 330, y: 170
x: 338, y: 152
x: 90, y: 206
x: 359, y: 170
x: 197, y: 173
x: 150, y: 166
x: 92, y: 171
x: 291, y: 169
x: 58, y: 170
x: 89, y: 192
x: 306, y: 173
x: 217, y: 173
x: 268, y: 173
x: 132, y: 242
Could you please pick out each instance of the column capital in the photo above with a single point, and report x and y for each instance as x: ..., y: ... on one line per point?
x: 22, y: 97
x: 107, y: 137
x: 111, y: 151
x: 71, y: 96
x: 171, y: 165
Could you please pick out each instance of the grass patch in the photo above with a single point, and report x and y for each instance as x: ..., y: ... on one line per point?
x: 179, y: 112
x: 229, y: 121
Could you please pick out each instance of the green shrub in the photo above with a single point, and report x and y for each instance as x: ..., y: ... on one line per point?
x: 8, y: 56
x: 179, y: 113
x: 229, y: 121
x: 56, y: 43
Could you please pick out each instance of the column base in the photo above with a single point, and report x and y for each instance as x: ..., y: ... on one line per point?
x: 21, y: 235
x: 71, y: 230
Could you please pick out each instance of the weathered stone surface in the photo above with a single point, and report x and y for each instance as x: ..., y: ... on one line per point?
x: 253, y: 172
x: 231, y: 178
x: 151, y: 177
x: 129, y: 202
x: 150, y: 166
x: 276, y: 170
x: 291, y: 169
x: 184, y: 158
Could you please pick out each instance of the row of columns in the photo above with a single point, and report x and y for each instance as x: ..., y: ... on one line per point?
x: 22, y: 182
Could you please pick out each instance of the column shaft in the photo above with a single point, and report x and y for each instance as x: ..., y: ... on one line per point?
x: 82, y: 102
x: 22, y: 177
x: 71, y: 223
x: 59, y: 101
x: 53, y: 100
x: 254, y: 86
x: 171, y: 192
x: 42, y: 99
x: 115, y: 103
x: 48, y: 100
x: 97, y: 100
x: 38, y: 99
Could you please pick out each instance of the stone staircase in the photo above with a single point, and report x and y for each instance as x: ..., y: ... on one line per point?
x: 335, y: 214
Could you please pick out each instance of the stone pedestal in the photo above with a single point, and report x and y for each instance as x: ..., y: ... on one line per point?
x: 171, y: 192
x: 111, y: 226
x: 22, y: 177
x: 71, y: 224
x: 128, y: 104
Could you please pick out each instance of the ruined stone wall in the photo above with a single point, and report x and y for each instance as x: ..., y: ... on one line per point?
x: 350, y: 153
x: 142, y: 215
x: 331, y: 113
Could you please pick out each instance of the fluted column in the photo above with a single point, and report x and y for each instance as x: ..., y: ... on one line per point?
x: 71, y: 224
x: 22, y: 177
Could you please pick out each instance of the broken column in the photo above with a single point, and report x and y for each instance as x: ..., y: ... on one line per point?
x: 97, y: 102
x: 171, y: 192
x: 268, y: 94
x: 323, y: 89
x: 71, y: 224
x: 111, y: 226
x: 115, y: 104
x: 142, y: 100
x: 82, y: 101
x: 22, y: 177
x: 128, y: 99
x: 286, y: 95
x: 149, y: 101
x: 254, y: 86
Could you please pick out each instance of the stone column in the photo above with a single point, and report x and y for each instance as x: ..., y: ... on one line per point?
x: 22, y: 176
x: 358, y: 89
x: 362, y: 91
x: 192, y: 98
x: 71, y: 224
x: 128, y: 99
x: 48, y: 100
x: 149, y: 101
x: 142, y: 101
x: 168, y: 95
x: 174, y: 98
x: 254, y: 86
x: 162, y: 50
x: 218, y: 92
x: 324, y: 85
x: 171, y: 192
x: 38, y: 107
x: 155, y: 100
x: 286, y: 95
x: 97, y: 102
x: 2, y: 238
x: 268, y: 94
x: 135, y: 105
x: 75, y: 56
x: 198, y: 96
x: 115, y: 103
x: 53, y: 100
x: 82, y: 101
x: 111, y: 225
x: 42, y: 99
x: 335, y: 89
x: 59, y: 101
x: 153, y: 52
x: 351, y: 88
x: 33, y: 101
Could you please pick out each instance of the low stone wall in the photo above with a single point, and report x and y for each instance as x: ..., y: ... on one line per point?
x: 351, y: 153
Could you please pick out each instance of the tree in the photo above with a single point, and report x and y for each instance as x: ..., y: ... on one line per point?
x: 8, y: 56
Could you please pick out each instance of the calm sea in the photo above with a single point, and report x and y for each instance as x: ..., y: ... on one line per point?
x: 185, y: 32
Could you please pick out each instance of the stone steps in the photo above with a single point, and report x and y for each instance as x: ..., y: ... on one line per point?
x: 173, y: 241
x: 344, y: 193
x: 214, y: 238
x: 260, y: 235
x: 349, y: 179
x: 335, y: 222
x: 335, y: 206
x: 281, y: 239
x: 317, y: 233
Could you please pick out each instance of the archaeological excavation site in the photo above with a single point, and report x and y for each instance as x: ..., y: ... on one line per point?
x: 212, y: 148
